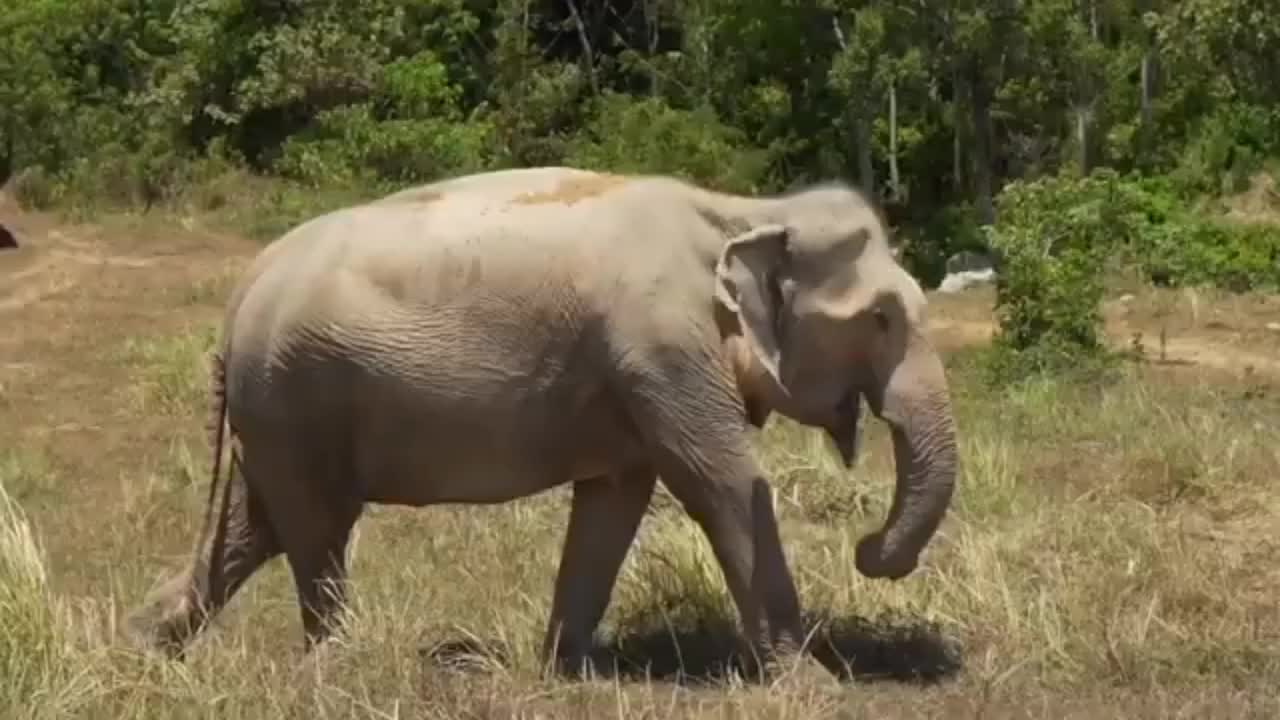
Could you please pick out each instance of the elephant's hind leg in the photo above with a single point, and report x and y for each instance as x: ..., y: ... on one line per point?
x: 239, y: 543
x: 316, y: 549
x: 313, y: 512
x: 603, y: 521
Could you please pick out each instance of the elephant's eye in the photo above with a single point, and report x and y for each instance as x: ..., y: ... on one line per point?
x: 778, y: 298
x: 882, y: 320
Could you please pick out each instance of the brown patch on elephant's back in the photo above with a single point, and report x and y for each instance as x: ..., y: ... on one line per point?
x: 571, y: 191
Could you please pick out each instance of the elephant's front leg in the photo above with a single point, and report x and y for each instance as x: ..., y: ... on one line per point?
x: 603, y: 521
x: 736, y: 514
x: 696, y: 429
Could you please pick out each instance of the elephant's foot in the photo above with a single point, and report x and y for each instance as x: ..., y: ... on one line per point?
x: 323, y: 629
x: 161, y: 628
x: 786, y: 656
x: 570, y: 659
x: 165, y: 623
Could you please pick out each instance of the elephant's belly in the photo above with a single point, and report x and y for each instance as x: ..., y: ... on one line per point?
x: 489, y: 458
x: 477, y: 475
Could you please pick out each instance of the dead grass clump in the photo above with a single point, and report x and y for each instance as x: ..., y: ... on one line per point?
x: 1260, y: 203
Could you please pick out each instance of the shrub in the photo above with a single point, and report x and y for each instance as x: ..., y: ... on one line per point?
x: 1053, y: 237
x: 1228, y: 146
x: 650, y: 136
x: 34, y: 188
x: 411, y: 130
x: 1234, y: 256
x: 350, y: 144
x: 1171, y: 241
x: 1058, y: 236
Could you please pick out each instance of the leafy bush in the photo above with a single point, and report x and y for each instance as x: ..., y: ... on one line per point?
x: 350, y: 144
x: 412, y: 131
x: 34, y: 188
x: 650, y: 136
x: 1229, y: 145
x: 1233, y: 256
x: 1164, y: 235
x: 117, y: 175
x: 1053, y: 236
x: 1059, y: 235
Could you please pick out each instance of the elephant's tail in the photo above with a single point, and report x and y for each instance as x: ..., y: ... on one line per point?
x: 216, y: 427
x: 218, y: 409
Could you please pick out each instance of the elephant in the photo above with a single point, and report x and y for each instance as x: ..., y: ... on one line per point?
x: 487, y: 337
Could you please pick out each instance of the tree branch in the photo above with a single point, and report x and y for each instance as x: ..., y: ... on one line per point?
x: 588, y: 54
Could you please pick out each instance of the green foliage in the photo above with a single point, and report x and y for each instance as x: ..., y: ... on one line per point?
x: 349, y: 144
x: 1053, y: 239
x: 118, y: 103
x: 1059, y: 236
x: 648, y: 136
x: 1235, y: 256
x: 410, y: 131
x: 34, y: 188
x: 1158, y: 230
x: 266, y: 209
x: 1229, y: 145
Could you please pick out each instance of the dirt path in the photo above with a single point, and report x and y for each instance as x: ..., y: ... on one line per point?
x: 71, y: 298
x: 1239, y: 335
x: 76, y: 287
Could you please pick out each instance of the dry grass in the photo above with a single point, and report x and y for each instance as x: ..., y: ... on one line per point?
x: 1113, y: 550
x: 1260, y: 203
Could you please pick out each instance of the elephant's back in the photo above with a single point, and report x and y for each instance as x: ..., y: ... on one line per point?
x: 348, y: 308
x: 476, y: 290
x: 497, y: 185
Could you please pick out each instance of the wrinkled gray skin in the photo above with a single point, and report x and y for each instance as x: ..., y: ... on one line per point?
x: 489, y: 337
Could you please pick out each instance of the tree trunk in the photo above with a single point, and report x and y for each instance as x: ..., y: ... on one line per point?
x: 980, y: 104
x: 1084, y: 114
x: 861, y: 129
x: 654, y: 20
x: 1148, y: 85
x: 957, y: 147
x: 588, y: 56
x: 895, y: 180
x: 1083, y: 138
x: 862, y: 140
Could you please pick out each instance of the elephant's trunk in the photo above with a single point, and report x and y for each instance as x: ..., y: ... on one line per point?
x: 916, y: 405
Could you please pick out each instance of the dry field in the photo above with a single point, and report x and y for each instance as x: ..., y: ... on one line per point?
x: 1113, y: 551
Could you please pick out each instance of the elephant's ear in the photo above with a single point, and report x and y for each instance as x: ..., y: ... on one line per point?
x: 748, y: 284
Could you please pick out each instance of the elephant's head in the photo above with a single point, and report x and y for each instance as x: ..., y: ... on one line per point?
x: 829, y: 318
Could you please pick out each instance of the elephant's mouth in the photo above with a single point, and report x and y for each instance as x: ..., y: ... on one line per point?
x: 844, y: 427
